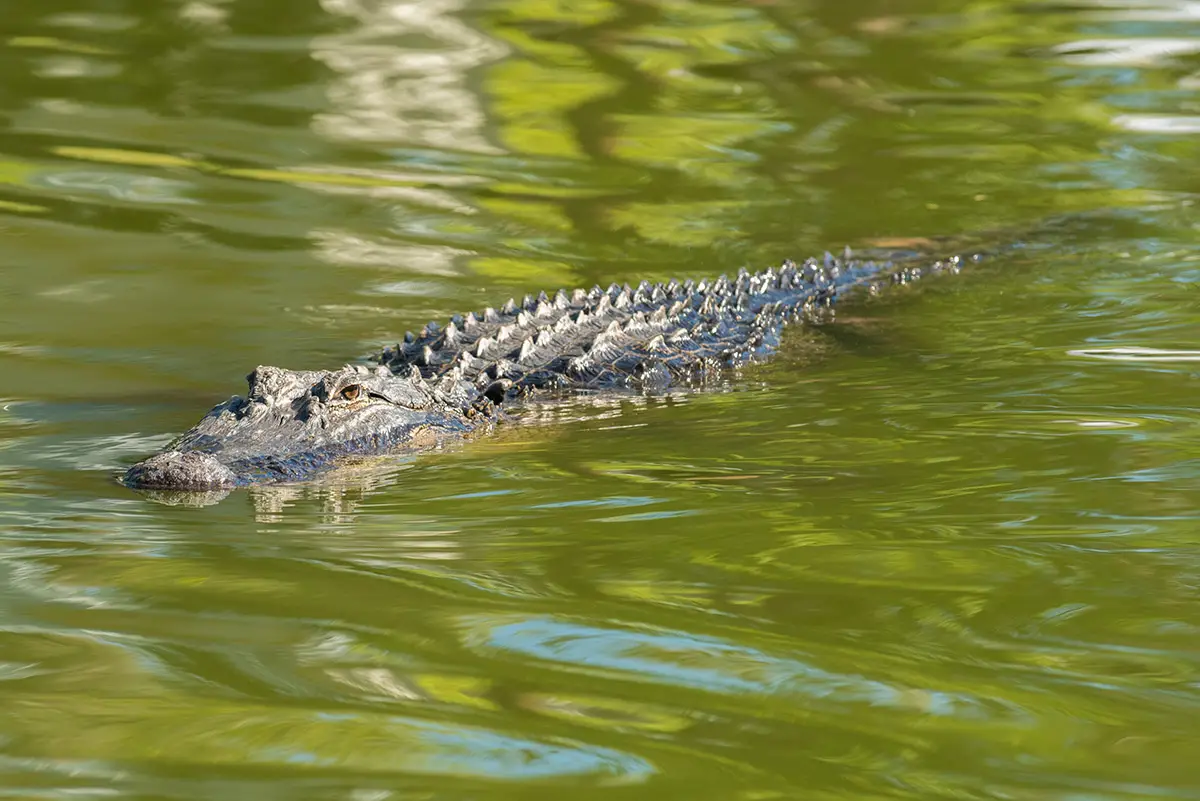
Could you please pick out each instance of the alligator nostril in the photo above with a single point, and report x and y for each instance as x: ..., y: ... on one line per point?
x: 180, y: 470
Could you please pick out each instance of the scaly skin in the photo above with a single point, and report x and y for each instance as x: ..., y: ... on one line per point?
x: 447, y: 381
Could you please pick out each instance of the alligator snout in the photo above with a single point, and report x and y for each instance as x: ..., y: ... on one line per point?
x: 181, y: 470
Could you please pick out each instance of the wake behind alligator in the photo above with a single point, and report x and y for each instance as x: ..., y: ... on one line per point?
x: 449, y: 381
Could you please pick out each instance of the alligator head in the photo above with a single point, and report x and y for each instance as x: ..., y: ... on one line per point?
x: 294, y: 423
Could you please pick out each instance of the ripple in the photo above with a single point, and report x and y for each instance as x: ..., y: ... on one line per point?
x: 944, y: 555
x: 120, y: 186
x: 1137, y: 354
x: 1147, y: 51
x: 699, y: 662
x: 363, y: 742
x: 1158, y: 123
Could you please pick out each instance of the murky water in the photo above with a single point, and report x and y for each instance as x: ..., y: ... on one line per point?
x: 944, y: 547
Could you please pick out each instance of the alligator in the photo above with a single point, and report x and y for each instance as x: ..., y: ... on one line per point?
x: 448, y: 381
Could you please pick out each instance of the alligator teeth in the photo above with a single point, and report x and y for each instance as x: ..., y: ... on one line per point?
x: 578, y: 296
x: 544, y: 309
x: 622, y: 301
x: 509, y: 307
x: 451, y: 333
x: 524, y: 320
x: 528, y: 302
x: 560, y: 300
x: 490, y: 315
x: 505, y: 331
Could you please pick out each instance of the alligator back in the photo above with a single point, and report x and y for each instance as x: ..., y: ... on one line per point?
x: 448, y: 380
x: 652, y: 335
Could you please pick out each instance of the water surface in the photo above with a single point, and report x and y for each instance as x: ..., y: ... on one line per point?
x: 944, y: 546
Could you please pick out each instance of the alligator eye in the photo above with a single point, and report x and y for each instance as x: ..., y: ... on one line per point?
x: 351, y: 392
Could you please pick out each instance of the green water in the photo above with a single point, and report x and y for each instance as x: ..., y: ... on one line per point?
x: 943, y: 547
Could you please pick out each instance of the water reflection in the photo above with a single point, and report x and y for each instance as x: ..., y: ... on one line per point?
x: 402, y: 75
x: 1137, y: 354
x: 688, y: 660
x: 944, y: 549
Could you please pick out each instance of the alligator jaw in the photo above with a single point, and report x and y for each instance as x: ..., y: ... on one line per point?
x: 178, y: 470
x: 293, y: 424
